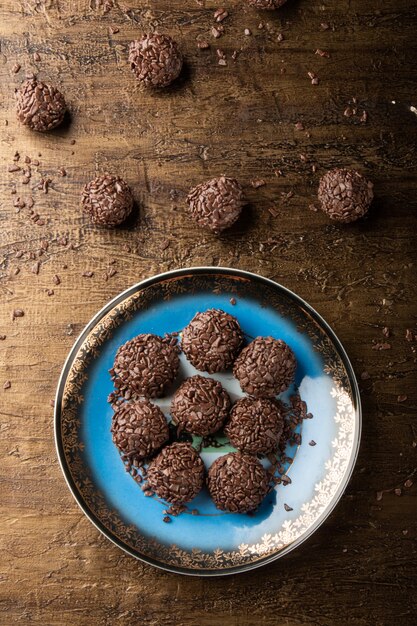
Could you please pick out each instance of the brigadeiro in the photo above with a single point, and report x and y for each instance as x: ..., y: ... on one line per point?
x: 200, y: 406
x: 212, y: 340
x: 145, y: 366
x: 40, y: 106
x: 139, y: 429
x: 269, y: 5
x: 265, y: 367
x: 176, y: 474
x: 345, y: 195
x: 107, y: 200
x: 255, y: 426
x: 237, y: 482
x: 217, y: 203
x: 155, y: 60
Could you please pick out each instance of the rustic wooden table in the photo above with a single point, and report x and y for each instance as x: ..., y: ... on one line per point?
x: 56, y: 569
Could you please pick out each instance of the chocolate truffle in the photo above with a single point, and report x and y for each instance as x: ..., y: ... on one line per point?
x: 237, y: 482
x: 145, y: 366
x: 269, y: 5
x: 155, y: 60
x: 107, y: 200
x: 217, y: 203
x: 39, y: 105
x: 212, y: 340
x: 265, y: 367
x: 255, y: 426
x: 139, y: 429
x: 176, y: 474
x: 345, y: 195
x: 200, y: 406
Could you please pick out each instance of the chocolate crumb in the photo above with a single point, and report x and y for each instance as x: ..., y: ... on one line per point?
x: 7, y: 384
x: 386, y: 332
x: 35, y: 267
x: 401, y: 398
x: 17, y: 313
x: 56, y: 280
x: 203, y: 45
x: 16, y: 68
x: 365, y: 376
x: 312, y: 443
x: 322, y: 53
x: 381, y: 346
x: 88, y: 274
x: 379, y: 495
x: 50, y: 292
x: 232, y: 301
x: 36, y: 57
x: 408, y: 483
x: 397, y: 491
x: 257, y: 182
x: 409, y: 334
x: 166, y: 519
x: 2, y: 337
x: 288, y: 508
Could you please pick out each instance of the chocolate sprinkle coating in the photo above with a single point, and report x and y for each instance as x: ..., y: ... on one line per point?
x: 255, y: 426
x: 269, y: 5
x: 237, y: 482
x: 217, y: 203
x: 145, y: 366
x: 139, y: 429
x: 107, y: 200
x: 212, y: 340
x: 265, y: 367
x: 345, y: 195
x: 39, y: 105
x: 176, y: 474
x: 200, y: 406
x: 155, y: 60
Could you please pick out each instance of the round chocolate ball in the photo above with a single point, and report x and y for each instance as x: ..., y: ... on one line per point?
x: 255, y: 426
x: 216, y: 204
x: 345, y: 195
x: 107, y: 200
x: 155, y: 60
x: 265, y: 367
x: 237, y: 482
x: 40, y: 106
x: 176, y: 474
x: 145, y: 366
x: 269, y: 5
x: 139, y: 429
x: 200, y: 406
x: 212, y: 340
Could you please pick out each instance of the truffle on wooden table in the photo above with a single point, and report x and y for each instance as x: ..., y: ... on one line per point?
x: 345, y: 195
x: 216, y: 204
x: 40, y: 106
x: 155, y: 60
x: 107, y: 200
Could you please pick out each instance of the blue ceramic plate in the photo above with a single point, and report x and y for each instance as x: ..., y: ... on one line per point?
x: 212, y: 542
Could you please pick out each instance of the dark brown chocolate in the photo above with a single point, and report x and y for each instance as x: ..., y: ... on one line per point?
x: 107, y: 200
x: 40, y: 106
x: 255, y: 426
x: 345, y: 195
x: 155, y: 60
x: 217, y: 203
x: 139, y: 429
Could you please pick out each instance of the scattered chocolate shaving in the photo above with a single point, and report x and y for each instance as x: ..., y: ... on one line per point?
x: 16, y: 68
x: 257, y: 182
x: 18, y: 313
x: 408, y: 483
x: 381, y: 346
x: 402, y: 398
x: 409, y: 334
x: 312, y: 443
x: 398, y: 491
x: 288, y: 508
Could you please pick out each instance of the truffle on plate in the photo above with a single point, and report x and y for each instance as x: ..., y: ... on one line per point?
x: 200, y: 406
x: 139, y: 429
x: 176, y: 474
x: 269, y: 5
x: 265, y: 368
x: 107, y: 200
x: 217, y: 203
x: 145, y: 366
x: 155, y: 60
x: 212, y: 340
x: 255, y: 425
x: 237, y: 482
x: 40, y: 106
x: 345, y: 195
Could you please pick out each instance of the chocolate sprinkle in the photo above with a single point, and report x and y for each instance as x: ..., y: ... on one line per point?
x: 145, y: 366
x: 345, y: 195
x: 176, y: 474
x: 255, y: 426
x: 268, y: 5
x: 212, y: 340
x: 200, y: 406
x: 216, y: 204
x: 265, y: 367
x: 155, y: 60
x: 139, y: 429
x: 237, y: 482
x: 39, y: 105
x: 107, y: 200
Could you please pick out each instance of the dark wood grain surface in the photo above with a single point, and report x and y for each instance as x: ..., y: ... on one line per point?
x: 359, y: 568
